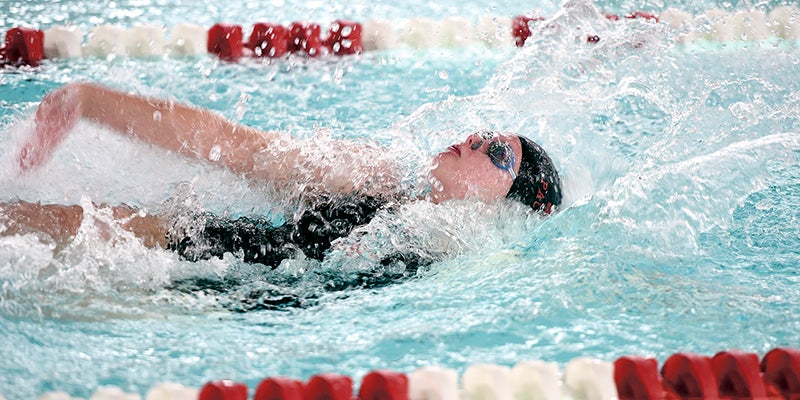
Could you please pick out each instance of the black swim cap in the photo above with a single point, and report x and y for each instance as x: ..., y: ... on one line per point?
x: 538, y: 184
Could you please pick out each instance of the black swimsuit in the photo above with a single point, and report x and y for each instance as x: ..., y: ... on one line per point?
x: 257, y: 240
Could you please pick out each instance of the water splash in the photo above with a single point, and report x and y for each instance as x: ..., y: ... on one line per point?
x: 679, y: 228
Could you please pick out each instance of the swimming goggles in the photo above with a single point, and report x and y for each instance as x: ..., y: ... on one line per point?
x: 499, y: 152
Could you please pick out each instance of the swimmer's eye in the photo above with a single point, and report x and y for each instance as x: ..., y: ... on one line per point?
x: 501, y: 155
x: 477, y: 145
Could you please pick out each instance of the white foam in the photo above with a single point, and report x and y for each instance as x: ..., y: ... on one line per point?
x: 63, y: 42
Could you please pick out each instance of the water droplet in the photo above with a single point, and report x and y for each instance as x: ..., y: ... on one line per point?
x: 157, y: 116
x: 443, y: 75
x: 215, y: 154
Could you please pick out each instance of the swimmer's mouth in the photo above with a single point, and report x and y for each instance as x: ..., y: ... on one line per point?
x: 455, y: 149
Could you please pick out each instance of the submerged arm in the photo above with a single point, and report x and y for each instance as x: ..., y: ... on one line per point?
x: 61, y: 223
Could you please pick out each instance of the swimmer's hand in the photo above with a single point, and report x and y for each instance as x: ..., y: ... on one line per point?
x: 56, y: 115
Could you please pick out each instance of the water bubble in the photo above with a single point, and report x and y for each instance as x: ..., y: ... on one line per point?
x: 338, y: 74
x: 157, y: 116
x: 215, y: 154
x: 241, y: 105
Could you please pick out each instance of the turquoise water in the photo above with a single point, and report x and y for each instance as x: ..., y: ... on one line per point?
x: 679, y: 230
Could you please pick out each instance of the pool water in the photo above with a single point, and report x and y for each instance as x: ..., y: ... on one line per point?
x: 680, y: 229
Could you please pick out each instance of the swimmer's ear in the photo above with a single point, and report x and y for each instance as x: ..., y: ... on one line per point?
x: 57, y: 114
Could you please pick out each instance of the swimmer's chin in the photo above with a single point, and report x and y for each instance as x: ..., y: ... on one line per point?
x: 438, y: 194
x: 435, y: 191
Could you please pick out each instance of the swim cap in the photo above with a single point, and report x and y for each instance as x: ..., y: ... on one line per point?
x: 537, y: 184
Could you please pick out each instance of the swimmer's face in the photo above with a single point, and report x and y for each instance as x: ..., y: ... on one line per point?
x: 465, y: 170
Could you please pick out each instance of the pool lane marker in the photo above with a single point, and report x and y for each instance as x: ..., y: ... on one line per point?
x: 23, y: 46
x: 727, y: 375
x: 28, y: 47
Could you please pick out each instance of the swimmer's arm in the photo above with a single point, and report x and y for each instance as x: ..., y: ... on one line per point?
x: 191, y: 131
x: 61, y: 223
x: 207, y: 135
x: 187, y: 130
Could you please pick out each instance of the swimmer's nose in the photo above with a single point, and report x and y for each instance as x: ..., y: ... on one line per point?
x: 474, y: 141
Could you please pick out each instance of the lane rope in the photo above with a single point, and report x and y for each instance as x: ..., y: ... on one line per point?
x: 28, y: 47
x: 727, y: 375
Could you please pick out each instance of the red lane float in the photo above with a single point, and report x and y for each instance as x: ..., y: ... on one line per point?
x: 223, y: 390
x: 689, y: 376
x: 344, y: 38
x: 279, y: 388
x: 521, y: 28
x: 637, y: 378
x: 638, y: 14
x: 305, y: 38
x: 275, y: 40
x: 226, y: 41
x: 23, y: 46
x: 733, y: 375
x: 781, y: 369
x: 738, y: 375
x: 269, y: 40
x: 642, y: 14
x: 329, y: 387
x: 729, y: 375
x: 384, y: 385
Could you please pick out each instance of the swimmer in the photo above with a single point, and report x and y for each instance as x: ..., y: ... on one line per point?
x: 349, y: 182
